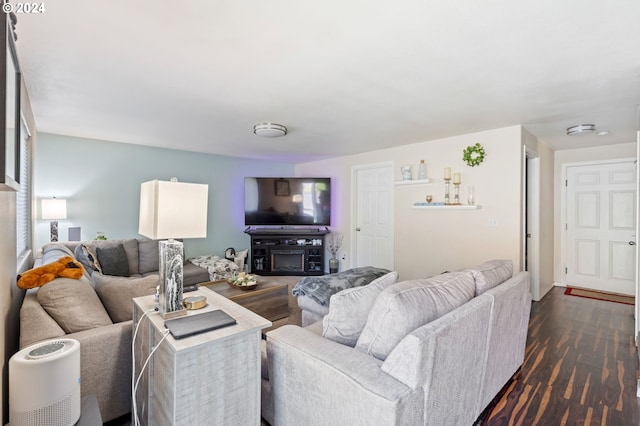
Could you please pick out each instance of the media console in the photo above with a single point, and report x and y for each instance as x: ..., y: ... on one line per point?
x: 287, y: 251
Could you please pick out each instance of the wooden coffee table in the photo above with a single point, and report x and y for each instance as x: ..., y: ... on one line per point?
x: 270, y: 299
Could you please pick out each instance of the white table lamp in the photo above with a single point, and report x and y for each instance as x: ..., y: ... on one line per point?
x: 54, y: 209
x: 172, y: 210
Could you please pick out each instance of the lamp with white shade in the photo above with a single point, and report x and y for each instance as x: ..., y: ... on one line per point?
x: 54, y: 209
x: 172, y: 209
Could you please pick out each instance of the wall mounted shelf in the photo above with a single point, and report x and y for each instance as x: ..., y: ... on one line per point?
x: 412, y: 182
x: 463, y: 207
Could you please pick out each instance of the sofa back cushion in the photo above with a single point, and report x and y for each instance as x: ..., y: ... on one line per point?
x: 148, y: 256
x: 117, y: 293
x: 349, y: 309
x: 74, y: 304
x: 491, y: 273
x: 51, y: 252
x: 405, y: 306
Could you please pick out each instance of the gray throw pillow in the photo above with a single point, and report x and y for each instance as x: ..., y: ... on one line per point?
x: 405, y: 306
x: 349, y: 309
x: 113, y: 260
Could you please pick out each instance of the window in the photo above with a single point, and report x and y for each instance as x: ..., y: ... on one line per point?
x: 23, y: 196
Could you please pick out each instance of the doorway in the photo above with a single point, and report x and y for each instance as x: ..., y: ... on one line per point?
x: 372, y: 242
x: 600, y: 226
x: 531, y: 240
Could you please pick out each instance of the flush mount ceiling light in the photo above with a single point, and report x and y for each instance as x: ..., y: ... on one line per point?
x: 581, y: 129
x: 269, y: 130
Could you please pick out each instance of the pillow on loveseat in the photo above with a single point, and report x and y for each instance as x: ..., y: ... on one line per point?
x: 349, y: 309
x: 117, y: 293
x: 405, y: 306
x: 73, y: 304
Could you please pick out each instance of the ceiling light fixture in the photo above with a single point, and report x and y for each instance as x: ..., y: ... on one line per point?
x: 581, y: 129
x: 269, y: 130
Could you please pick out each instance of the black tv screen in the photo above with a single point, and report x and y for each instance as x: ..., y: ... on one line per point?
x: 287, y: 201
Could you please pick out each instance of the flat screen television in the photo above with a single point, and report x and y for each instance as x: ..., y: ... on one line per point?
x: 291, y: 201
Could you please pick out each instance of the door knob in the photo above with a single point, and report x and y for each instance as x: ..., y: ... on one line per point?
x: 632, y: 243
x: 358, y: 229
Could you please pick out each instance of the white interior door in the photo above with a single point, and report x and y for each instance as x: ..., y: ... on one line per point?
x: 601, y: 220
x: 373, y: 216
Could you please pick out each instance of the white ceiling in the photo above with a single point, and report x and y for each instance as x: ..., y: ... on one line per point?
x: 343, y: 76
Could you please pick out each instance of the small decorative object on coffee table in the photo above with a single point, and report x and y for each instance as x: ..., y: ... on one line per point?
x: 244, y: 281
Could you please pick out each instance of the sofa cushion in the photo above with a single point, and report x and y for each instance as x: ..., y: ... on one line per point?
x: 489, y: 274
x: 130, y: 247
x: 88, y: 257
x: 74, y: 304
x: 405, y: 306
x: 148, y: 256
x: 51, y: 252
x: 349, y: 309
x: 117, y: 293
x: 113, y: 260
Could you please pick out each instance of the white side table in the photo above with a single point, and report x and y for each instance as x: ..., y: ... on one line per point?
x: 210, y: 378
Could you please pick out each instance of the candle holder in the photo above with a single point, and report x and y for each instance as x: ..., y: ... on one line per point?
x: 447, y: 183
x: 456, y: 194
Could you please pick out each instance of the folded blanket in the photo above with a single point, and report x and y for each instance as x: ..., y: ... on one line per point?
x: 320, y: 289
x: 218, y: 267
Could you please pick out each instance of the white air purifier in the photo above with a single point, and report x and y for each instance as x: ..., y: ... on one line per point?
x: 44, y: 384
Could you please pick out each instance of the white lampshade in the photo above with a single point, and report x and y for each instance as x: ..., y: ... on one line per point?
x: 54, y: 209
x: 173, y: 209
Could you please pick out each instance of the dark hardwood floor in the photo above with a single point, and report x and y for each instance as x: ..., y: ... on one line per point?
x: 580, y: 367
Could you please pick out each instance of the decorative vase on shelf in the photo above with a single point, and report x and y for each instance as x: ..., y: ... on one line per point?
x: 333, y: 265
x: 422, y: 170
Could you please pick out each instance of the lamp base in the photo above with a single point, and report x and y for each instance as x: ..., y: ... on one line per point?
x: 54, y: 230
x: 171, y: 279
x: 174, y: 314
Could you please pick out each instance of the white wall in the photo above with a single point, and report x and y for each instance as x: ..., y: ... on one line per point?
x: 428, y: 242
x: 564, y: 157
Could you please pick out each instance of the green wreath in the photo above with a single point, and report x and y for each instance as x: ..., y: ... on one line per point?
x: 473, y: 155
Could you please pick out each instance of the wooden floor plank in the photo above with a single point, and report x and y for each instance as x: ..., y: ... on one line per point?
x: 580, y: 368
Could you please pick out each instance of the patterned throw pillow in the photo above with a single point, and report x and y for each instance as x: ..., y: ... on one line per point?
x: 88, y: 257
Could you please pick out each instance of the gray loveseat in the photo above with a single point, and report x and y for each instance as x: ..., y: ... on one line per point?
x: 423, y: 352
x: 96, y: 310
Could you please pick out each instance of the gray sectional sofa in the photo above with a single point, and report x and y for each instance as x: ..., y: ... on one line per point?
x: 422, y: 352
x: 97, y: 310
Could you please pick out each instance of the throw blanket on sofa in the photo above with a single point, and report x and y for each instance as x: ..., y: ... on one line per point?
x: 218, y: 268
x: 320, y: 289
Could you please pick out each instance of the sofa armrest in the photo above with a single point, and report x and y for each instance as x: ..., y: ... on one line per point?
x: 36, y: 324
x: 318, y: 381
x: 105, y: 367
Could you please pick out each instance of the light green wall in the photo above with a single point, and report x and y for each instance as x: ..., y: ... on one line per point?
x: 101, y: 183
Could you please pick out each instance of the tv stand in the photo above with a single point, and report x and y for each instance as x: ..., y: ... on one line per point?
x: 287, y: 251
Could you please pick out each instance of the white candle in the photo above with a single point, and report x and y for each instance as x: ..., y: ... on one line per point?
x: 456, y: 178
x: 447, y: 172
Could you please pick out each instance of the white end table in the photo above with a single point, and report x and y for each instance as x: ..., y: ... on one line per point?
x: 209, y: 378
